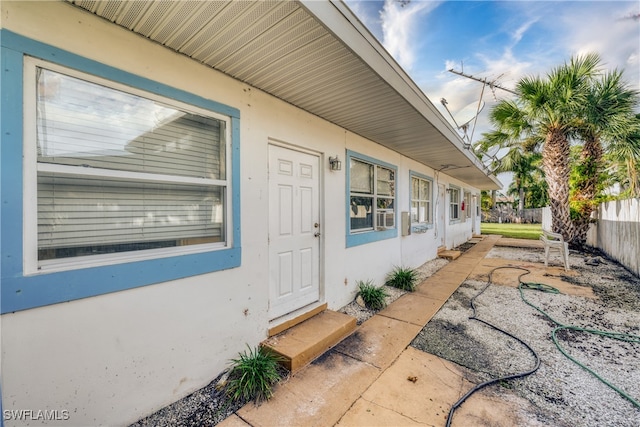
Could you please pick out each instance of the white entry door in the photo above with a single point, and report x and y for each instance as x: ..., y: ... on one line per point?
x: 294, y: 230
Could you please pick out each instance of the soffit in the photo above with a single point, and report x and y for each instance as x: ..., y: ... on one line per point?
x: 315, y: 55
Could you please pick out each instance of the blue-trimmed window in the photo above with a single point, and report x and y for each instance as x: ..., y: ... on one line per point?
x: 454, y: 203
x: 121, y: 181
x: 421, y: 201
x: 119, y: 172
x: 371, y: 213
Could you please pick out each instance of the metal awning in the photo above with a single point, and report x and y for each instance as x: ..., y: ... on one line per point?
x: 315, y: 55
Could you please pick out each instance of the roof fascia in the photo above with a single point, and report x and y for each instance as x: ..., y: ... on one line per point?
x: 356, y: 37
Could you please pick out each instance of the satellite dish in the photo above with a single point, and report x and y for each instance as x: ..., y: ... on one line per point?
x: 463, y: 119
x: 468, y: 114
x: 492, y: 151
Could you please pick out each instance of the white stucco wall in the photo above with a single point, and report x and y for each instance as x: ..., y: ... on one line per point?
x: 118, y: 357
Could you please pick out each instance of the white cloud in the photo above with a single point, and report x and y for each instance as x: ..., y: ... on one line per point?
x: 503, y: 69
x: 541, y: 35
x: 401, y: 30
x: 521, y: 30
x: 609, y: 33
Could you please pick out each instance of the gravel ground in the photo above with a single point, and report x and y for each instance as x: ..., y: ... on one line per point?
x: 205, y: 407
x: 562, y: 393
x: 362, y: 313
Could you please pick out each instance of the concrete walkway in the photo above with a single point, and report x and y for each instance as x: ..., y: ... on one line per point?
x: 373, y: 378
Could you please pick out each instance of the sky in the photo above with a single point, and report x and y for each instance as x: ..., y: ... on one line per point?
x: 501, y: 41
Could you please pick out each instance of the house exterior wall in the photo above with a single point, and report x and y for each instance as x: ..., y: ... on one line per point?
x: 115, y: 357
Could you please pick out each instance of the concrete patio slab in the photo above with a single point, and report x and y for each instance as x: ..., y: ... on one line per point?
x: 233, y: 421
x: 551, y: 276
x: 440, y: 288
x: 364, y: 413
x: 379, y: 341
x: 419, y: 386
x: 413, y: 308
x: 418, y: 390
x: 318, y: 396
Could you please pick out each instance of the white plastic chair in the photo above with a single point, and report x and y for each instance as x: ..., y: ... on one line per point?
x: 555, y: 241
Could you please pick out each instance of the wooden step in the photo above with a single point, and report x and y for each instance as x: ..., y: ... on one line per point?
x: 301, y: 344
x: 450, y: 255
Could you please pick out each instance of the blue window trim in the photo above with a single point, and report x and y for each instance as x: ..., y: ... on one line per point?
x: 20, y: 292
x: 421, y: 227
x: 364, y: 237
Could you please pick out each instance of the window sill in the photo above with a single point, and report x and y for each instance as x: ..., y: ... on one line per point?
x: 420, y: 228
x: 362, y: 238
x: 26, y: 292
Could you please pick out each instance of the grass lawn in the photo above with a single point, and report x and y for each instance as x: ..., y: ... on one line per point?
x: 518, y: 231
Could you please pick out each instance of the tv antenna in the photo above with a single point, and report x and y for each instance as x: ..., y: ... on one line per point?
x: 492, y: 84
x: 463, y: 118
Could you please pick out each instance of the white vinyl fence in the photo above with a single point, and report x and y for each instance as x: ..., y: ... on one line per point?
x: 617, y: 232
x: 546, y: 218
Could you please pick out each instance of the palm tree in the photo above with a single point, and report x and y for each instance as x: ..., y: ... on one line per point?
x: 524, y: 165
x: 537, y: 192
x: 607, y: 120
x: 623, y: 158
x: 546, y: 113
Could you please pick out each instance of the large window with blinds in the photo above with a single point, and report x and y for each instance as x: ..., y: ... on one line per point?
x: 123, y: 173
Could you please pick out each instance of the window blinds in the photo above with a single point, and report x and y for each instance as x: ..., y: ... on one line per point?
x: 85, y: 131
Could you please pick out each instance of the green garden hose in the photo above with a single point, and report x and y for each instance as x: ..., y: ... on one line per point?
x: 559, y: 326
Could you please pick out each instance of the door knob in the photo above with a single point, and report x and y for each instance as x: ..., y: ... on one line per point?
x: 316, y: 235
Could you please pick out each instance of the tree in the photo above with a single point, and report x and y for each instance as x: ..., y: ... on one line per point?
x: 623, y: 161
x: 530, y: 187
x: 607, y: 121
x: 537, y: 195
x: 572, y: 103
x: 524, y: 165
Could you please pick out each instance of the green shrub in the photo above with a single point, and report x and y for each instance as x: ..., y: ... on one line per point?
x: 403, y: 278
x: 253, y: 375
x: 373, y: 297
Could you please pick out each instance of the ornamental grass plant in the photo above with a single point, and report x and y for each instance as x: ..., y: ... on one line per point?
x: 253, y: 375
x: 403, y: 278
x: 374, y: 297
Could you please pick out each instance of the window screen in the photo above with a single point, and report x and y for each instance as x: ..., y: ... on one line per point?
x: 372, y: 196
x: 420, y: 200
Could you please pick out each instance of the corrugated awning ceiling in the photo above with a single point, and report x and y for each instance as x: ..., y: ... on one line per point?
x: 315, y: 55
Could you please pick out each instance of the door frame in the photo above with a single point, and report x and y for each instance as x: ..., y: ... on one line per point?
x: 441, y: 226
x: 300, y: 311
